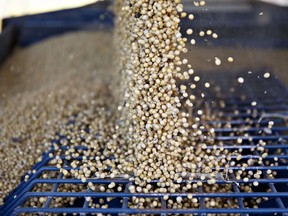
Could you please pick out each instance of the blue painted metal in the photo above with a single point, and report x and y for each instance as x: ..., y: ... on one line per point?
x: 34, y: 28
x: 237, y: 28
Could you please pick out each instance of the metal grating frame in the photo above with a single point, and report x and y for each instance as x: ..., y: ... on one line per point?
x: 246, y: 120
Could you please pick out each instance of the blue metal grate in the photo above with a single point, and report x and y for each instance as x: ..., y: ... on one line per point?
x: 230, y: 125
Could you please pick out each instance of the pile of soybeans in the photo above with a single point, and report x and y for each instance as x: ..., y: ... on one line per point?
x: 133, y: 118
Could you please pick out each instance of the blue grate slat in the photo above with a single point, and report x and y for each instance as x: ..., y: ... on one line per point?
x: 262, y: 211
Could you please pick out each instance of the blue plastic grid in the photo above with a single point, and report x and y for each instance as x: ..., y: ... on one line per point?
x: 247, y: 115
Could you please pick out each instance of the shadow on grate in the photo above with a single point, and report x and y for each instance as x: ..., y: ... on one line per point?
x: 240, y: 122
